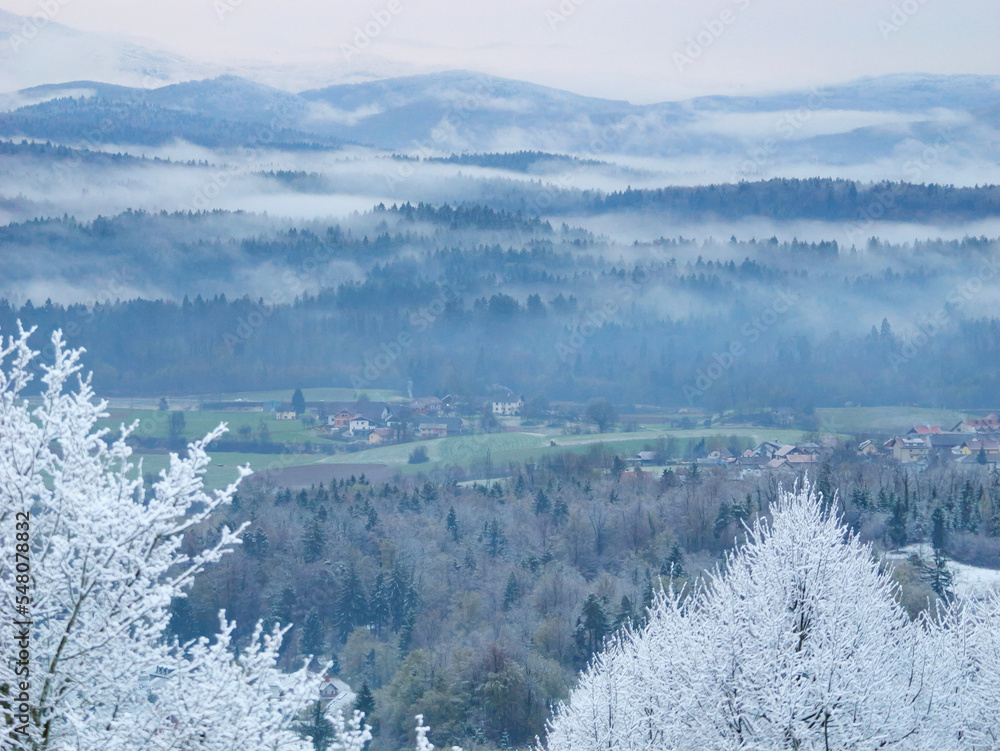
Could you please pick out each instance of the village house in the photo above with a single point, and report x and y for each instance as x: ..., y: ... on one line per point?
x: 342, y: 419
x: 906, y: 450
x: 439, y: 427
x: 359, y: 424
x: 767, y: 449
x: 432, y: 430
x: 923, y: 441
x: 508, y: 408
x: 868, y: 448
x: 922, y: 430
x: 427, y: 405
x: 988, y: 424
x: 381, y: 437
x: 976, y: 446
x: 340, y: 414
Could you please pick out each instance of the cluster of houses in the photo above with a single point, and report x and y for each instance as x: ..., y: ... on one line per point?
x: 972, y: 441
x: 769, y: 455
x: 383, y: 423
x: 784, y: 456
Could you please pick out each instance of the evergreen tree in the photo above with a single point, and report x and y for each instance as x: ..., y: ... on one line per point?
x: 519, y: 486
x: 286, y: 604
x: 406, y: 632
x: 824, y: 485
x: 312, y: 635
x: 939, y: 576
x: 365, y: 703
x: 314, y: 540
x: 897, y: 525
x: 317, y: 726
x: 494, y: 538
x: 352, y: 605
x: 626, y: 614
x: 298, y: 402
x: 939, y: 532
x: 512, y: 593
x: 722, y: 520
x: 560, y: 511
x: 694, y: 476
x: 451, y: 524
x: 403, y: 596
x: 591, y: 628
x: 967, y: 507
x: 673, y: 566
x: 542, y: 503
x: 176, y: 427
x: 379, y: 607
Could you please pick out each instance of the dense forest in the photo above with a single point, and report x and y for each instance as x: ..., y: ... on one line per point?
x: 478, y: 605
x: 135, y: 122
x: 458, y: 299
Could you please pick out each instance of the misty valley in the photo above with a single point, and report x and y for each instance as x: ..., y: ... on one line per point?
x: 571, y: 423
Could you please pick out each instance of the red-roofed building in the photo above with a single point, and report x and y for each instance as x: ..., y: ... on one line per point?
x: 988, y: 424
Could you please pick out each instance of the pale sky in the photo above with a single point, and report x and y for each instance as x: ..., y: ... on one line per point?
x: 641, y: 50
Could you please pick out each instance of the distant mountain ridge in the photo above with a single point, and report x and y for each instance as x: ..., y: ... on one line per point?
x: 463, y: 112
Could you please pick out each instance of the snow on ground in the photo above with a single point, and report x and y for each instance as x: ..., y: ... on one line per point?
x: 969, y: 581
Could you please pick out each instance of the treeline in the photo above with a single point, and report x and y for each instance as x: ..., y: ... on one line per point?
x: 452, y: 344
x: 458, y: 299
x: 96, y: 120
x: 516, y: 161
x: 482, y: 617
x: 815, y: 198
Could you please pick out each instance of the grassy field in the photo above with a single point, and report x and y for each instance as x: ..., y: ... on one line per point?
x: 156, y: 424
x: 884, y: 419
x: 504, y: 448
x: 466, y: 451
x: 331, y: 394
x: 224, y: 467
x: 457, y: 450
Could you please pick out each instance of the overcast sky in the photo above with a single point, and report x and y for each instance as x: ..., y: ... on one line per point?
x: 642, y: 50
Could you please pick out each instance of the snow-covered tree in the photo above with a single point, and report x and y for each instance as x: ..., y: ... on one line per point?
x: 798, y: 643
x: 89, y: 563
x: 969, y: 631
